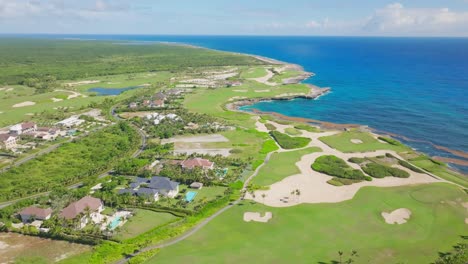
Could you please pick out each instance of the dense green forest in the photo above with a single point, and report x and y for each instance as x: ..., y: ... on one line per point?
x: 27, y: 61
x: 70, y: 163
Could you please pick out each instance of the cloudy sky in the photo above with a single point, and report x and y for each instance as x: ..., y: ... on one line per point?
x: 237, y: 17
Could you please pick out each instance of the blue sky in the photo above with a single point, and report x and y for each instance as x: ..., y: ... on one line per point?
x: 237, y: 17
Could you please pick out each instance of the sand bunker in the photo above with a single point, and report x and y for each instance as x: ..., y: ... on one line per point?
x: 256, y: 217
x: 399, y: 216
x: 23, y: 104
x: 72, y: 84
x: 262, y: 91
x: 356, y: 141
x: 56, y: 99
x: 240, y: 91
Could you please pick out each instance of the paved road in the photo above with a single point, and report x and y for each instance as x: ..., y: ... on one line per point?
x: 203, y: 223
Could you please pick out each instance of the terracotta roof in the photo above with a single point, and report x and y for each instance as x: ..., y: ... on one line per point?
x: 5, y: 137
x: 36, y: 211
x: 158, y: 102
x: 27, y: 125
x: 196, y: 162
x: 74, y: 209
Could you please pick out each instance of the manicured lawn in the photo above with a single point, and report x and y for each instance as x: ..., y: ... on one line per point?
x: 253, y: 73
x: 342, y: 142
x: 440, y: 170
x: 143, y: 221
x: 314, y: 233
x: 280, y: 166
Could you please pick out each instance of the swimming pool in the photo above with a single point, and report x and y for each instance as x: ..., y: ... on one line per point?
x: 189, y: 196
x: 115, y: 222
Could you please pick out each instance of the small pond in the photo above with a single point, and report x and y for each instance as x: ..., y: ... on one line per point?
x: 101, y: 91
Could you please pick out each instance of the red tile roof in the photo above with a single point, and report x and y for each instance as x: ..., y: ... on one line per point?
x: 27, y: 125
x: 36, y: 211
x: 196, y: 162
x: 76, y: 208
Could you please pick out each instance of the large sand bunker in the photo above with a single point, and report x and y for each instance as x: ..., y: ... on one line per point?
x: 356, y: 141
x: 23, y: 104
x: 399, y: 216
x: 257, y: 217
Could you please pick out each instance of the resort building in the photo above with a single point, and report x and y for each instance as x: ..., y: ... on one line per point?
x: 72, y: 121
x: 86, y: 205
x: 26, y: 127
x: 157, y: 103
x: 35, y: 213
x: 7, y: 141
x: 197, y: 163
x: 152, y: 188
x: 160, y: 96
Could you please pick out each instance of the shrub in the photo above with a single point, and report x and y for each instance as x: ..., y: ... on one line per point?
x: 335, y: 182
x: 288, y: 142
x: 409, y: 166
x: 235, y: 151
x: 380, y: 171
x: 337, y: 167
x: 391, y: 141
x: 270, y: 127
x: 357, y: 160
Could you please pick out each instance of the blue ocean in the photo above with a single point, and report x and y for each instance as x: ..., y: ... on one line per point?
x: 413, y: 87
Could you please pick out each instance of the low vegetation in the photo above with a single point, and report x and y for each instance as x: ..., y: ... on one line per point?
x: 343, y: 142
x: 270, y: 126
x: 380, y: 171
x: 334, y: 166
x: 70, y: 163
x: 292, y: 131
x: 288, y: 142
x: 307, y: 128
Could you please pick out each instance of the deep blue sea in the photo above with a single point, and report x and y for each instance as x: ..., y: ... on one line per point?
x: 414, y: 87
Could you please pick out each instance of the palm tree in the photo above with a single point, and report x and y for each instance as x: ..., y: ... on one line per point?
x: 263, y: 196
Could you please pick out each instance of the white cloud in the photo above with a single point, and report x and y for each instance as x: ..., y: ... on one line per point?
x: 395, y: 18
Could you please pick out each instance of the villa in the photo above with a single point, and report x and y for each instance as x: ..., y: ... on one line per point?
x: 23, y: 128
x: 157, y: 103
x: 197, y: 163
x: 152, y: 188
x: 80, y: 208
x: 35, y: 213
x: 71, y: 122
x: 7, y: 141
x: 160, y: 96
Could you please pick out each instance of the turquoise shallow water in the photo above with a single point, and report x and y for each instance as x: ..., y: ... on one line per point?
x: 415, y: 87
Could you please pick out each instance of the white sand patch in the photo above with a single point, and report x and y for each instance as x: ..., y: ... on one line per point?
x: 3, y: 88
x: 1, y: 112
x: 237, y: 98
x: 9, y: 89
x: 260, y: 126
x: 356, y: 141
x: 225, y: 152
x: 72, y: 84
x: 265, y: 79
x: 262, y: 91
x: 23, y: 104
x: 113, y: 83
x: 29, y: 114
x: 56, y: 99
x: 313, y: 185
x: 399, y: 216
x: 146, y: 84
x: 466, y: 221
x: 257, y: 217
x: 240, y: 91
x: 197, y: 139
x: 73, y: 94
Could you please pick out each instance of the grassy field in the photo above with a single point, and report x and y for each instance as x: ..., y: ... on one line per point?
x: 144, y: 220
x: 281, y: 165
x: 440, y: 170
x: 342, y: 142
x: 256, y: 72
x: 211, y: 102
x: 278, y: 78
x: 315, y: 233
